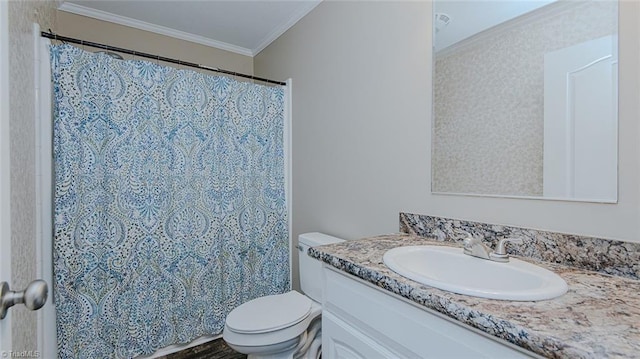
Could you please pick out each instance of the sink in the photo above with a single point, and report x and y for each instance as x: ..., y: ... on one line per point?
x: 449, y: 269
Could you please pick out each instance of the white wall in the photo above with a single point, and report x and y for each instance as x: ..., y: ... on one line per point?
x: 362, y: 127
x: 356, y: 69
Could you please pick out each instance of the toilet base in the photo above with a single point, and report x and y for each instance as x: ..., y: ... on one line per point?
x: 282, y: 350
x: 305, y: 346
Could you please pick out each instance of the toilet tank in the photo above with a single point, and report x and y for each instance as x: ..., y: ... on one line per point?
x: 310, y: 268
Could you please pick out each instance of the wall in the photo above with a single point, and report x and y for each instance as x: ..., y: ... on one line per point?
x: 360, y: 107
x: 489, y: 99
x: 90, y: 29
x: 22, y: 14
x: 362, y: 127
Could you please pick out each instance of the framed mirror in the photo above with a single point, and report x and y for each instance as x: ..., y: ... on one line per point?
x: 525, y: 99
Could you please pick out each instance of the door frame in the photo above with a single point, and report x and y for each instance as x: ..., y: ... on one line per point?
x: 46, y: 316
x: 5, y: 169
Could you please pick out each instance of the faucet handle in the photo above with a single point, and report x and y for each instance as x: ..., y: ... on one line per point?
x: 500, y: 254
x: 474, y: 247
x: 469, y: 242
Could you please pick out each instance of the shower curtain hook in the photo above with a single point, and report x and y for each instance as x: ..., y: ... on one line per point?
x: 55, y: 36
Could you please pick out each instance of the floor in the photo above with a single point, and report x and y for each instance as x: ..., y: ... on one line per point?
x: 215, y: 349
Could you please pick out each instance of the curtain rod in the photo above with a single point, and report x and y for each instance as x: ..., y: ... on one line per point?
x: 51, y: 35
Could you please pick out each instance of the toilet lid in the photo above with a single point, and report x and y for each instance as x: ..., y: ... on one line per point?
x: 269, y: 313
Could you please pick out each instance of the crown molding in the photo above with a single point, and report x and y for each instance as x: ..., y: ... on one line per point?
x: 271, y: 37
x: 162, y: 30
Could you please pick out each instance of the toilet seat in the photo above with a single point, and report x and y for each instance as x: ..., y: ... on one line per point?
x: 269, y: 313
x: 247, y: 325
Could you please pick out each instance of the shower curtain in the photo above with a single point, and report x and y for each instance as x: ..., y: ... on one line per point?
x: 169, y: 202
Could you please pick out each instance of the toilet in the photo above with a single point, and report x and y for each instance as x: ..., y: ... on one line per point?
x: 283, y: 325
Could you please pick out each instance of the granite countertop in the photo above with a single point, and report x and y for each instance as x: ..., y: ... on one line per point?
x: 597, y: 318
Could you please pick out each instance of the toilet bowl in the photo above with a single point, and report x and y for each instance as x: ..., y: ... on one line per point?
x: 285, y: 325
x: 274, y: 326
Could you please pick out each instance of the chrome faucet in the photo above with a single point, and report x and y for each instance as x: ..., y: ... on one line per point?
x: 475, y: 247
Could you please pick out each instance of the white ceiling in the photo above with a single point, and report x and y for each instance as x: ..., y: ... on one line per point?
x: 248, y: 26
x: 241, y: 26
x: 469, y: 17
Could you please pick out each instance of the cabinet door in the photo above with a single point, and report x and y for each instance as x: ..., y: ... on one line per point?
x: 401, y: 329
x: 340, y: 340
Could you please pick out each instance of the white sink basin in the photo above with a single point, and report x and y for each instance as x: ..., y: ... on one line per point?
x: 450, y: 269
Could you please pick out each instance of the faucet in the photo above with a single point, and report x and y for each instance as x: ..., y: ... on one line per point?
x: 475, y: 247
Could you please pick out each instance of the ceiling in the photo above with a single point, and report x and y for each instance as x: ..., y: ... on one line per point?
x: 248, y: 26
x: 469, y: 17
x: 241, y: 26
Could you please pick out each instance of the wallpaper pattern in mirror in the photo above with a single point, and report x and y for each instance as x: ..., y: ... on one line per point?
x: 491, y: 131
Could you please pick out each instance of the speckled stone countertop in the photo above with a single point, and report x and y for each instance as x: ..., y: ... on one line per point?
x: 599, y: 317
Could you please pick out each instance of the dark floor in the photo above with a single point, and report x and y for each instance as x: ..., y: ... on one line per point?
x: 215, y: 349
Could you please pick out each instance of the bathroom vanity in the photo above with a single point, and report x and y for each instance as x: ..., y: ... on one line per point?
x: 372, y: 312
x: 362, y: 321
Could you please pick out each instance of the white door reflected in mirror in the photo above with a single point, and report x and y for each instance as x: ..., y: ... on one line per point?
x: 580, y: 134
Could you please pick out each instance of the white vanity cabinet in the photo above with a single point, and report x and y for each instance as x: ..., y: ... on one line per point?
x: 362, y: 321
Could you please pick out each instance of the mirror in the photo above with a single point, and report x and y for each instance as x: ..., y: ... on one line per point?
x: 525, y: 99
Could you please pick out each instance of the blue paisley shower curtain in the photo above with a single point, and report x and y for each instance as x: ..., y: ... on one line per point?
x: 169, y: 202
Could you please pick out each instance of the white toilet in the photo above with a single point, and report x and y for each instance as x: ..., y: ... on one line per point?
x: 284, y: 325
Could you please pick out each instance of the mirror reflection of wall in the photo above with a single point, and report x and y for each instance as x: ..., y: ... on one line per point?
x: 489, y: 133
